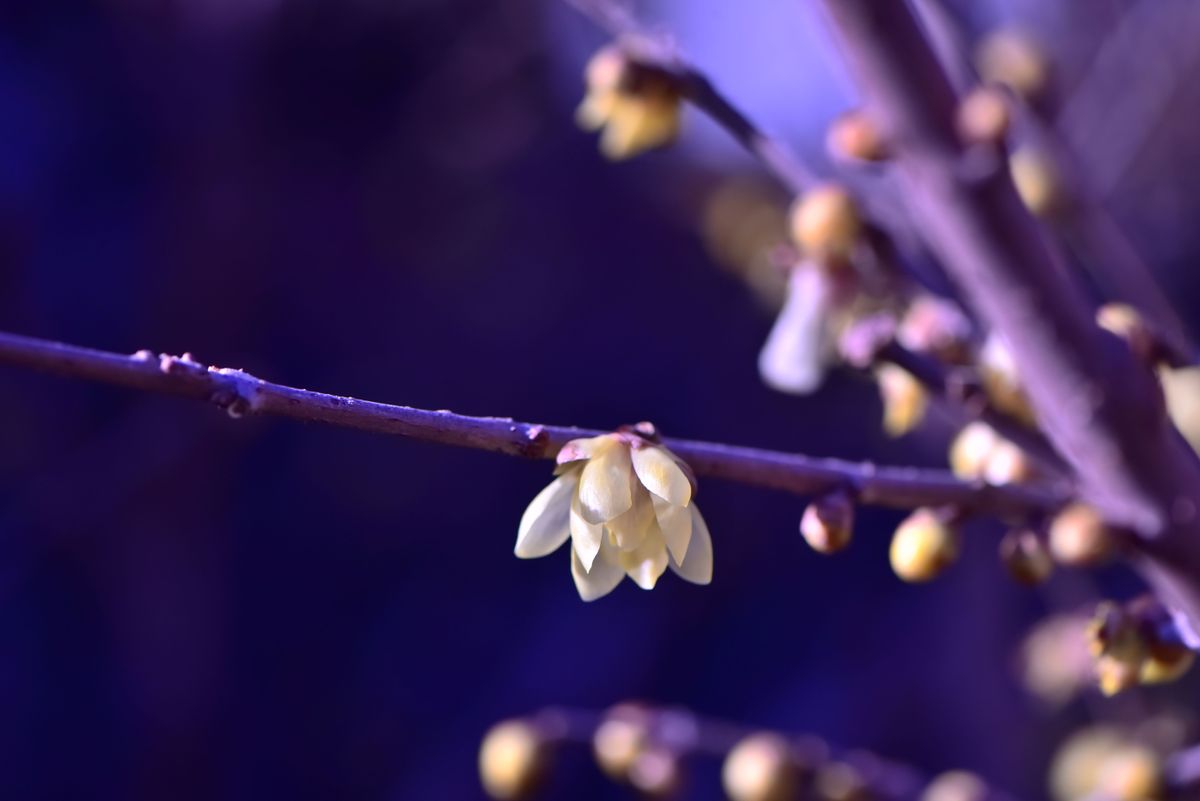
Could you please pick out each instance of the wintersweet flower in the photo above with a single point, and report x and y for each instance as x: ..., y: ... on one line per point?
x: 637, y: 108
x: 624, y: 501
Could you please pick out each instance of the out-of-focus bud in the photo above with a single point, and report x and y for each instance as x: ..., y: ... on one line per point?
x: 1011, y: 58
x: 839, y: 781
x: 656, y: 773
x: 983, y: 116
x: 904, y: 399
x: 1008, y: 464
x: 1119, y: 649
x: 1125, y: 321
x: 1025, y: 556
x: 828, y: 522
x: 938, y: 327
x: 826, y: 223
x: 1001, y: 381
x: 1130, y: 773
x: 620, y: 739
x: 1038, y: 181
x: 1055, y: 660
x: 955, y: 785
x: 1181, y: 388
x: 1165, y: 666
x: 923, y: 546
x: 798, y: 350
x: 638, y: 108
x: 1077, y: 764
x: 854, y: 136
x: 760, y: 768
x: 971, y: 449
x: 512, y: 760
x: 1170, y: 640
x: 1079, y: 537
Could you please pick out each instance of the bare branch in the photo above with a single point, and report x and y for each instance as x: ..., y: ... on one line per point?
x: 242, y: 394
x: 1098, y: 406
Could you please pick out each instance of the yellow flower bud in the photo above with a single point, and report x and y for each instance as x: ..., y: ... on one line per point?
x: 1079, y: 537
x: 620, y: 739
x: 828, y: 523
x: 656, y: 773
x: 955, y: 785
x: 1001, y: 381
x: 512, y: 760
x: 923, y: 546
x: 1025, y: 556
x: 1131, y: 773
x: 1118, y: 646
x: 983, y: 116
x: 904, y: 399
x: 1077, y: 764
x: 760, y: 768
x: 1007, y: 464
x: 855, y: 136
x: 825, y: 222
x: 971, y: 449
x: 638, y: 108
x: 1011, y: 58
x: 1038, y: 182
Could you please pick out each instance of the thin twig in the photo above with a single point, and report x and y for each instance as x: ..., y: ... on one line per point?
x: 1099, y: 407
x: 240, y: 394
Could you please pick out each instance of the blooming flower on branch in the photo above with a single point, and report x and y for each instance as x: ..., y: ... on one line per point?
x: 637, y: 107
x: 624, y: 501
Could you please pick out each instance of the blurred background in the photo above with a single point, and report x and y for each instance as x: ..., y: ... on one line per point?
x: 390, y: 199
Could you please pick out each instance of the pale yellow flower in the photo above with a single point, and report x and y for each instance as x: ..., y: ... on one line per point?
x: 636, y: 108
x: 625, y: 504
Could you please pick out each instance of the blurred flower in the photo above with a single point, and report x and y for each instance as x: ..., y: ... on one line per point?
x: 854, y: 136
x: 1012, y: 58
x: 983, y: 116
x: 1106, y: 762
x: 800, y: 347
x: 977, y: 451
x: 904, y: 399
x: 955, y: 785
x: 760, y: 768
x: 625, y: 504
x: 512, y: 760
x: 1181, y: 388
x: 826, y: 222
x: 1079, y: 537
x: 638, y: 108
x: 1055, y: 663
x: 923, y: 546
x: 1038, y: 181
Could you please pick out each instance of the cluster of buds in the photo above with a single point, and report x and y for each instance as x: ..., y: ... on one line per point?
x: 1141, y: 642
x: 625, y: 503
x: 978, y: 452
x: 635, y: 104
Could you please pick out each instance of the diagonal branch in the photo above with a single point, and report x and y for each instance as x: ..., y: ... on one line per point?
x: 241, y: 394
x: 1099, y: 407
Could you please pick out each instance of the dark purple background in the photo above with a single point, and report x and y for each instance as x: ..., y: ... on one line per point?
x: 390, y: 200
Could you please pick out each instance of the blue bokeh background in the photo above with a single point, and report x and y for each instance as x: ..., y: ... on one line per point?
x: 390, y: 200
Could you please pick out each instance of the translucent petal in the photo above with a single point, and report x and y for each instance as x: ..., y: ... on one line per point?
x: 606, y: 485
x: 647, y: 563
x: 595, y: 110
x: 630, y: 530
x: 660, y: 474
x: 546, y: 522
x: 585, y: 537
x: 578, y: 450
x: 698, y: 564
x: 636, y: 125
x: 675, y: 522
x: 797, y: 351
x: 600, y: 580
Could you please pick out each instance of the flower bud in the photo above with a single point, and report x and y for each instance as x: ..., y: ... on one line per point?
x: 1163, y: 666
x: 1001, y: 381
x: 828, y: 522
x: 1077, y: 764
x: 512, y: 760
x: 904, y: 399
x: 656, y: 772
x: 923, y: 546
x: 619, y: 740
x: 1038, y: 182
x: 638, y: 108
x: 955, y: 785
x: 938, y: 327
x: 855, y: 136
x: 1119, y: 648
x: 983, y: 116
x: 971, y: 449
x: 1124, y: 321
x: 1079, y: 537
x: 760, y: 768
x: 825, y: 222
x: 1007, y: 464
x: 1010, y: 58
x: 1025, y: 556
x: 1131, y: 773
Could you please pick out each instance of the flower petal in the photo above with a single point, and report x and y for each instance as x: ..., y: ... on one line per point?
x: 697, y: 566
x: 606, y: 485
x: 629, y: 530
x: 797, y: 351
x: 600, y: 580
x: 647, y: 563
x: 675, y: 522
x: 586, y: 537
x: 581, y: 449
x: 660, y: 474
x: 546, y: 522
